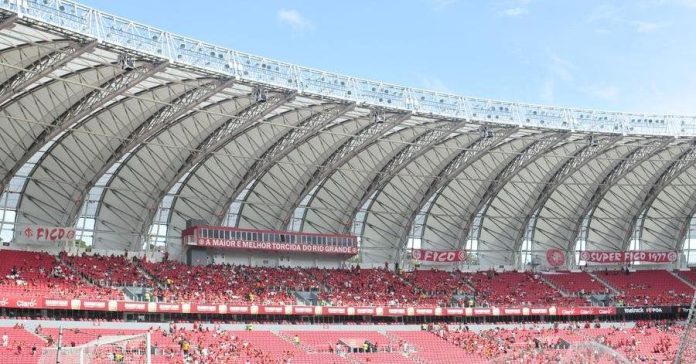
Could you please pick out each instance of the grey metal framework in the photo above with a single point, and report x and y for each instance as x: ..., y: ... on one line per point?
x: 116, y: 127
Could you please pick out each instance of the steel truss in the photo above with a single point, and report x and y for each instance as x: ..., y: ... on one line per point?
x: 594, y: 148
x: 409, y: 153
x: 638, y: 156
x: 161, y: 120
x: 232, y: 128
x: 290, y: 141
x: 529, y: 155
x: 369, y: 134
x: 449, y: 170
x: 87, y: 106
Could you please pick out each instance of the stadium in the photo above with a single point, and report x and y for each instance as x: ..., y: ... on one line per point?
x: 166, y: 200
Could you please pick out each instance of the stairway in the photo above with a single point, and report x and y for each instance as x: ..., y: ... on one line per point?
x: 563, y: 292
x: 679, y: 277
x: 604, y: 282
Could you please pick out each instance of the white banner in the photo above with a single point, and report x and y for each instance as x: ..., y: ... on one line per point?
x: 45, y: 234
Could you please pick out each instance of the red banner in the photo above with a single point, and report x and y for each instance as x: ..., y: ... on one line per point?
x: 40, y: 234
x: 439, y: 256
x: 555, y: 257
x: 276, y: 247
x: 595, y: 256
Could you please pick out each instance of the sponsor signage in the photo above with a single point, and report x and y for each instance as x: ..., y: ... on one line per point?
x: 10, y: 301
x: 43, y: 234
x: 168, y: 307
x: 303, y: 310
x: 93, y: 305
x: 275, y: 246
x: 439, y: 256
x: 334, y: 310
x: 644, y: 310
x: 200, y: 308
x: 594, y: 256
x: 56, y: 303
x: 238, y: 309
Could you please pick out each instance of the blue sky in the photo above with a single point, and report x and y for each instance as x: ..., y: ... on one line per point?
x: 632, y: 55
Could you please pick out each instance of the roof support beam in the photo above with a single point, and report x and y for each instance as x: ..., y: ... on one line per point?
x: 292, y: 139
x: 86, y: 106
x: 412, y: 151
x: 529, y: 155
x: 228, y: 131
x: 42, y: 68
x: 451, y: 169
x: 161, y: 120
x: 686, y: 160
x: 624, y: 167
x: 362, y: 139
x: 594, y: 148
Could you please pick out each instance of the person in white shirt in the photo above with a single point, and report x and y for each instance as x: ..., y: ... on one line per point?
x: 5, y: 340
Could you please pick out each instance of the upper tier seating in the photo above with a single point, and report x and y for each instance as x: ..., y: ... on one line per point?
x: 40, y: 274
x: 689, y: 275
x: 653, y: 287
x: 440, y: 285
x: 576, y: 282
x: 367, y: 287
x: 230, y: 284
x: 114, y: 270
x: 515, y: 289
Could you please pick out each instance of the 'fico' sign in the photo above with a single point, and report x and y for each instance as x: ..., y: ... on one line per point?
x: 439, y: 256
x: 47, y: 234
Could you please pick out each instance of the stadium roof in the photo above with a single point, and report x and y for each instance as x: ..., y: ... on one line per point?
x: 126, y: 131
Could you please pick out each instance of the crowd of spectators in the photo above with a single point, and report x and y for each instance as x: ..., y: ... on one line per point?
x: 218, y: 283
x: 32, y: 274
x: 654, y: 342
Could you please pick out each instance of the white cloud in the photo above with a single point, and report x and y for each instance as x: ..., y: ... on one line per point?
x: 515, y: 12
x: 604, y: 92
x: 548, y: 91
x: 434, y: 84
x: 559, y: 71
x: 439, y: 4
x: 561, y: 68
x: 687, y: 3
x: 604, y: 12
x: 648, y: 27
x: 294, y: 19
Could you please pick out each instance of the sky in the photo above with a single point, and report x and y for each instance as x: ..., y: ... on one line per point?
x: 631, y: 55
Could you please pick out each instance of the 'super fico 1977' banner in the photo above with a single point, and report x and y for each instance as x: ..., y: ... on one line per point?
x: 46, y: 234
x: 439, y: 256
x: 275, y: 246
x: 594, y: 256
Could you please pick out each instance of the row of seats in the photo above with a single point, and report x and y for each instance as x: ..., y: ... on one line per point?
x: 31, y: 274
x: 654, y: 287
x: 654, y: 342
x: 42, y: 274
